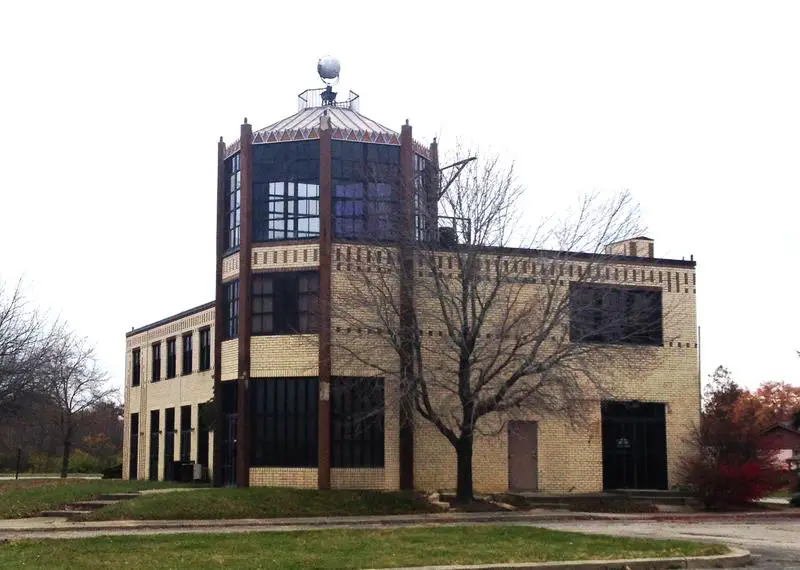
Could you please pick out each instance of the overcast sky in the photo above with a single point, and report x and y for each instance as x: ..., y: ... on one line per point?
x: 111, y: 111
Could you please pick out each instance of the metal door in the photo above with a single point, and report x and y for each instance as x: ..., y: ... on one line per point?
x: 133, y: 456
x: 634, y: 445
x: 155, y: 433
x: 523, y: 456
x: 229, y: 451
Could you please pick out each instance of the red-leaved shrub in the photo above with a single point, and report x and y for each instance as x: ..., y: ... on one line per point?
x: 730, y: 465
x: 720, y: 485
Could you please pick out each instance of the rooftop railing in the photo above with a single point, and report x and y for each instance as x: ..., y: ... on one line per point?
x: 313, y: 98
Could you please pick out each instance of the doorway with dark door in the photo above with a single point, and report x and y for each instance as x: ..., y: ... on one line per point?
x: 155, y: 433
x: 229, y: 421
x: 523, y: 456
x: 634, y: 445
x: 169, y: 444
x: 133, y: 456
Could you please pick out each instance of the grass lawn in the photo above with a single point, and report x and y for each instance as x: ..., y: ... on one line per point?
x: 28, y: 497
x: 262, y: 502
x: 328, y: 549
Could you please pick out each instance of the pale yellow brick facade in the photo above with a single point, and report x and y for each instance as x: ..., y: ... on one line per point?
x: 183, y: 390
x: 569, y: 456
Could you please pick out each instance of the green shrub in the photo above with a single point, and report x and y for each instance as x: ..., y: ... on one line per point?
x: 82, y: 462
x: 43, y: 463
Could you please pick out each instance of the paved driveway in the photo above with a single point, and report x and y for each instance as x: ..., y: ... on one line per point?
x: 774, y: 544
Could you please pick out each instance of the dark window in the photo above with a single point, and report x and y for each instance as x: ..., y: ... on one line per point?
x: 230, y: 311
x: 608, y: 314
x: 233, y: 185
x: 284, y: 422
x: 186, y: 433
x: 136, y: 366
x: 171, y: 357
x: 186, y: 367
x: 205, y: 349
x: 365, y: 181
x: 285, y: 303
x: 292, y: 210
x: 357, y: 422
x: 286, y: 191
x: 156, y: 362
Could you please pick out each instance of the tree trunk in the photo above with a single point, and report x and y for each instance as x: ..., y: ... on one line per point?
x: 464, y: 458
x: 65, y: 458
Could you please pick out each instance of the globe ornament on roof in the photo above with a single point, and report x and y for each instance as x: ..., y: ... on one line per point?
x: 328, y: 68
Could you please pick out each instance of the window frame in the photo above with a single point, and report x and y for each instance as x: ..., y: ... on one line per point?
x: 204, y: 356
x: 618, y: 303
x: 155, y: 360
x: 233, y: 196
x: 285, y: 303
x: 357, y: 434
x: 230, y: 310
x: 136, y: 367
x: 184, y: 369
x: 287, y: 195
x: 284, y: 433
x: 172, y: 357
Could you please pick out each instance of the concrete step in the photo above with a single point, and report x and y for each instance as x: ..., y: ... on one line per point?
x: 89, y: 505
x: 69, y: 514
x: 118, y: 496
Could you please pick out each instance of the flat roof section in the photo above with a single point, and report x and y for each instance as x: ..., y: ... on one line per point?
x: 198, y: 309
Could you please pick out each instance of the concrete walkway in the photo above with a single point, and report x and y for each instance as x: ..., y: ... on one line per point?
x: 64, y: 528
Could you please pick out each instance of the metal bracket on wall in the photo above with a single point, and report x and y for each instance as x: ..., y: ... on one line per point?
x: 459, y: 166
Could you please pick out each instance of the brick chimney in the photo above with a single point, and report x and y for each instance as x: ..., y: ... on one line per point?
x: 635, y: 247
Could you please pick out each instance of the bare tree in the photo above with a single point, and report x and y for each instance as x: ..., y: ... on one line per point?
x: 482, y: 332
x: 25, y: 339
x: 76, y: 383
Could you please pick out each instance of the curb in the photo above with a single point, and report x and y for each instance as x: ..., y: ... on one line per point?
x: 736, y: 558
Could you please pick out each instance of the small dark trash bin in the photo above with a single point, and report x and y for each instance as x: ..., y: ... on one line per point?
x: 186, y: 472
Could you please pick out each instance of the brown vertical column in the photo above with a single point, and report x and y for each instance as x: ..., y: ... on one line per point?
x: 218, y: 415
x: 245, y: 314
x: 433, y: 192
x: 325, y: 247
x: 407, y: 323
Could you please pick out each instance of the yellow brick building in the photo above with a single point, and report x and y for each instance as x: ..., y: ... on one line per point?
x: 265, y: 385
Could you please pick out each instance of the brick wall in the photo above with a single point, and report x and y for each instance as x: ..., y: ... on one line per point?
x: 284, y: 355
x: 570, y: 456
x: 191, y: 389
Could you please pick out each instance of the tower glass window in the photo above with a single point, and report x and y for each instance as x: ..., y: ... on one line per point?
x: 285, y: 303
x: 284, y: 425
x: 285, y: 191
x: 365, y: 182
x: 230, y: 311
x: 292, y: 210
x: 233, y: 185
x: 357, y: 422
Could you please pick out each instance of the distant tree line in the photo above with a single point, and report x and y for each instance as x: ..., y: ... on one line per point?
x: 56, y: 405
